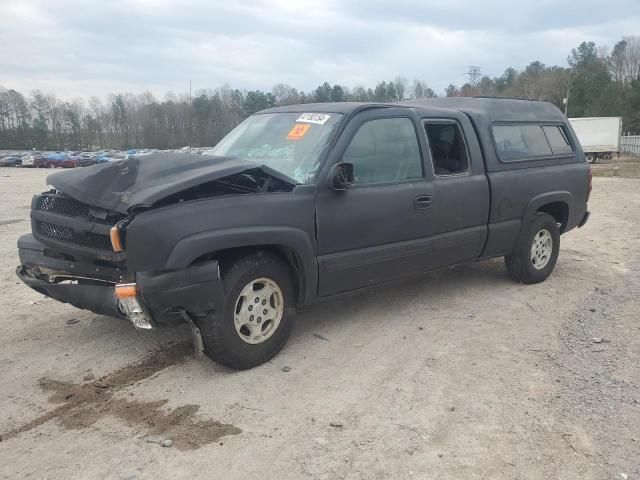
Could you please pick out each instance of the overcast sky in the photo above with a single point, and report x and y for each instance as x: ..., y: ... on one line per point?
x: 82, y: 48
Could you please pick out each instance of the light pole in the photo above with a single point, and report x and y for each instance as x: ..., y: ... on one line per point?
x: 565, y: 100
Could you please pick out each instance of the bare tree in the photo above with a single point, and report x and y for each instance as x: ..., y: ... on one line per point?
x: 631, y: 69
x: 285, y: 94
x: 402, y: 87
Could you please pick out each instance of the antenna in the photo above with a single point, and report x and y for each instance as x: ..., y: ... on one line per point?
x: 474, y: 75
x: 190, y: 107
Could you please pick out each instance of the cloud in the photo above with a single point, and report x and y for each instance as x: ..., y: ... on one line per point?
x: 77, y: 48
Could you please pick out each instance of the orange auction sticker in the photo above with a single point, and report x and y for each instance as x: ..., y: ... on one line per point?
x: 298, y: 131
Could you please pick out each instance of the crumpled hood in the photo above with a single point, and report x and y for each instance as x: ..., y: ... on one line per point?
x: 142, y: 181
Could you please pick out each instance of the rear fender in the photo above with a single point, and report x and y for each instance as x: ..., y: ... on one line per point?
x: 540, y: 200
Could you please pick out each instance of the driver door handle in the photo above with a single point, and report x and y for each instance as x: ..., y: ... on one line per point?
x: 423, y: 201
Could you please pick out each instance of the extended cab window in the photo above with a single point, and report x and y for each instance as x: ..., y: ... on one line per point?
x: 448, y: 148
x: 384, y: 150
x: 557, y: 139
x: 515, y: 142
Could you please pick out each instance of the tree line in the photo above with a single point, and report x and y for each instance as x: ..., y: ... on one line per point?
x: 595, y: 82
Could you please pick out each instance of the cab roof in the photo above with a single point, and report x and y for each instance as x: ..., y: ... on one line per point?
x: 492, y: 109
x: 484, y: 109
x: 328, y: 107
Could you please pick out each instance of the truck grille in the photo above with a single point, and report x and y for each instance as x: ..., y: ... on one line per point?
x: 89, y: 231
x: 62, y: 206
x: 66, y: 234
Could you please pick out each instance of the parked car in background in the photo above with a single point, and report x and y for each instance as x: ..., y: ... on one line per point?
x: 137, y: 153
x: 10, y: 161
x: 54, y: 160
x: 86, y: 160
x: 66, y: 163
x: 71, y: 162
x: 599, y: 136
x: 40, y: 162
x: 29, y: 159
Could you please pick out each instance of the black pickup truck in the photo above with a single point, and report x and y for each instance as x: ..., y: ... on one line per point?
x: 302, y: 202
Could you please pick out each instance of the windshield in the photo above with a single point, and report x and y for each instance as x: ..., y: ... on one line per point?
x: 291, y: 143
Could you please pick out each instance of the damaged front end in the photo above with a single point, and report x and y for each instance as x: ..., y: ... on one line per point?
x: 71, y: 260
x: 68, y: 256
x: 68, y: 281
x: 77, y: 251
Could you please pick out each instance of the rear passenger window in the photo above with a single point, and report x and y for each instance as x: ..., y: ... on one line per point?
x: 448, y: 148
x: 557, y: 139
x: 384, y: 150
x: 515, y: 142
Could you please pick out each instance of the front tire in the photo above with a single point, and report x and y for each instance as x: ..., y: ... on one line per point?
x: 537, y: 253
x: 258, y: 316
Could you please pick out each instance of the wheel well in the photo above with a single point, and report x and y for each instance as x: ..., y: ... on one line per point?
x: 227, y: 256
x: 559, y: 211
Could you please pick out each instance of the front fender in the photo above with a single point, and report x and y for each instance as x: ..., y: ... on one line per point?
x: 170, y: 238
x: 297, y: 241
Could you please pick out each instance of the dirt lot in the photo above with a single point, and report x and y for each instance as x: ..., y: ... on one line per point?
x: 626, y: 166
x: 461, y: 374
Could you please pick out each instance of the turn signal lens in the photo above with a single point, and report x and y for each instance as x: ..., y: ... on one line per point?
x: 126, y: 290
x: 116, y: 243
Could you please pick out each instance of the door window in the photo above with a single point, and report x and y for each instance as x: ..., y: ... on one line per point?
x: 448, y: 148
x: 384, y: 150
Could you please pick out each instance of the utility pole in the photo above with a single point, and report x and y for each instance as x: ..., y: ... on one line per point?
x: 474, y: 75
x: 190, y: 108
x: 566, y: 100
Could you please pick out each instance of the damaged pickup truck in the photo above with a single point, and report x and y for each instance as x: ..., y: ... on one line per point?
x: 303, y: 202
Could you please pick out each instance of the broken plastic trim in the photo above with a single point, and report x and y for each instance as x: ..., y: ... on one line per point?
x: 196, y: 336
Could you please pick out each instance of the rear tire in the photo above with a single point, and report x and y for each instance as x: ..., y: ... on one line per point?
x: 235, y: 337
x: 591, y: 158
x: 537, y: 252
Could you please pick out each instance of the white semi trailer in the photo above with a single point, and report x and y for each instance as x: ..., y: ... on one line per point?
x: 599, y: 136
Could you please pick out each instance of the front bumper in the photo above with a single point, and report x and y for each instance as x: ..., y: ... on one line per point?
x: 97, y: 298
x: 162, y: 296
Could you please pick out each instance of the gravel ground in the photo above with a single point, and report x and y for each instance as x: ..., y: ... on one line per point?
x: 460, y: 374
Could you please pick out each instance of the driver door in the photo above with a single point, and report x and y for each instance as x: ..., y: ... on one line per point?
x: 378, y: 229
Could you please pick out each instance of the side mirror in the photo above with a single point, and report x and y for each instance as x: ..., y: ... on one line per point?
x: 341, y: 176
